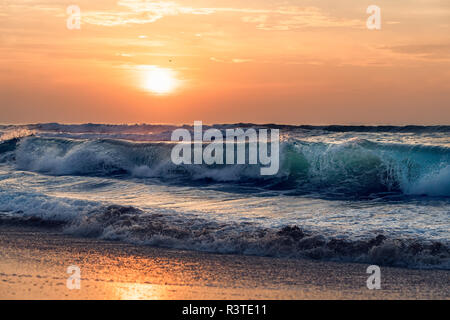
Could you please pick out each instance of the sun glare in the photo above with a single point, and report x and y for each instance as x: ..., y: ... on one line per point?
x: 159, y: 80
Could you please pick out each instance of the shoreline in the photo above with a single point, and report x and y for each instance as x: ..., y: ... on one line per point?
x: 34, y: 261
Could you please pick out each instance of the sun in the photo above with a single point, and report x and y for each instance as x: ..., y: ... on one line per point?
x: 159, y: 80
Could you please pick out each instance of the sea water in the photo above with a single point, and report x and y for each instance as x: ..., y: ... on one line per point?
x: 374, y: 194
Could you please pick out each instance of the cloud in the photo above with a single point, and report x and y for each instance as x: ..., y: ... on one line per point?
x: 278, y: 18
x: 255, y: 19
x: 290, y: 18
x: 419, y: 48
x: 216, y: 60
x: 424, y: 51
x: 140, y: 12
x: 235, y: 60
x: 241, y: 60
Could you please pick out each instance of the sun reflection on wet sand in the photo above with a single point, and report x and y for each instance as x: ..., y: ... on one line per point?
x: 137, y: 291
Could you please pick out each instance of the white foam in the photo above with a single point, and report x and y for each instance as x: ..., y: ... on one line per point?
x: 433, y: 184
x: 31, y: 204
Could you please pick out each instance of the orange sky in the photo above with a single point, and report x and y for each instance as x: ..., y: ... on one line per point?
x: 291, y: 61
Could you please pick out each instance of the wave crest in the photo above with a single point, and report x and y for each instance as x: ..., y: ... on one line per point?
x: 354, y: 168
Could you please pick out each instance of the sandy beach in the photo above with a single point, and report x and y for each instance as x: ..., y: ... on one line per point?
x: 34, y: 261
x: 227, y: 150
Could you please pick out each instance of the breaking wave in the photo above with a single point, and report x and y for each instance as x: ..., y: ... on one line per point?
x: 353, y: 168
x: 169, y: 230
x: 133, y: 225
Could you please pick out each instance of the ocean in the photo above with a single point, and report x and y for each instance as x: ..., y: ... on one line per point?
x: 370, y: 194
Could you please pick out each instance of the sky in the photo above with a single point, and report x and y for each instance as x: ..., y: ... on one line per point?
x: 291, y: 62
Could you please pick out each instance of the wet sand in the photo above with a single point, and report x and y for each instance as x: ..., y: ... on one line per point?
x: 33, y: 264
